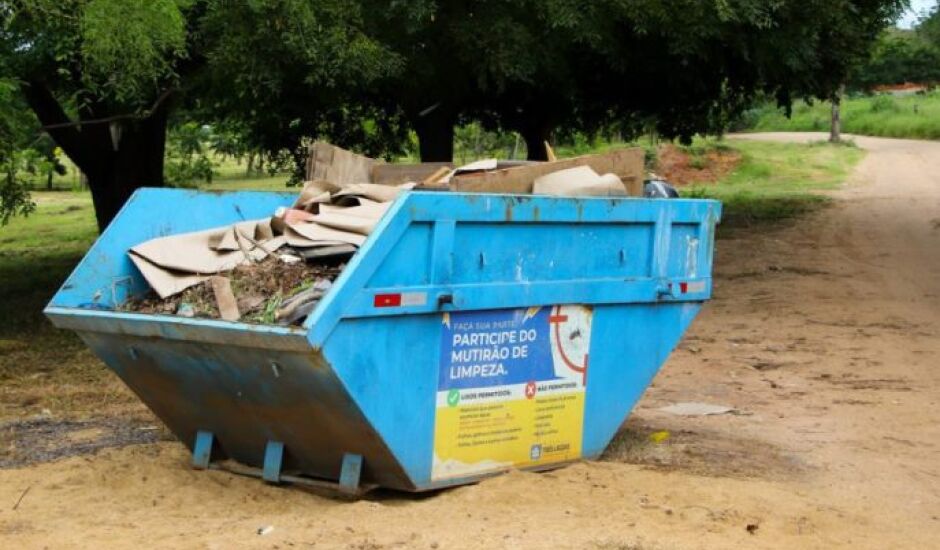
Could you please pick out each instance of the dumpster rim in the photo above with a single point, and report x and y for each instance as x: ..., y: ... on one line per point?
x: 152, y: 325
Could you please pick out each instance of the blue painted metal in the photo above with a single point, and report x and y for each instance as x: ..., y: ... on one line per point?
x: 357, y: 380
x: 202, y: 449
x: 273, y: 458
x: 350, y: 473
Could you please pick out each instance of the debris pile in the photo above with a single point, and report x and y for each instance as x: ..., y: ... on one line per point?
x: 275, y: 270
x: 271, y: 291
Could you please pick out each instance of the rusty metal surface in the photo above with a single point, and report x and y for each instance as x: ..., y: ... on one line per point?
x: 247, y: 397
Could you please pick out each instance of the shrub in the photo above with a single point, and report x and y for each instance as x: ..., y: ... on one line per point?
x: 884, y: 104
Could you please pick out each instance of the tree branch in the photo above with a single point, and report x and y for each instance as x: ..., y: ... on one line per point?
x: 115, y: 118
x: 49, y: 111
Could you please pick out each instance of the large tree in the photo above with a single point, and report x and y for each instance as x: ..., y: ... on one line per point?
x: 102, y: 76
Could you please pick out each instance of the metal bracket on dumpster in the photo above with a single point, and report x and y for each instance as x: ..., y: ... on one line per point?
x: 667, y: 289
x: 202, y: 449
x: 350, y: 472
x: 273, y: 457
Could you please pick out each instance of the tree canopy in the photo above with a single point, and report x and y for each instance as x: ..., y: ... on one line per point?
x: 929, y: 25
x: 105, y: 76
x: 901, y: 56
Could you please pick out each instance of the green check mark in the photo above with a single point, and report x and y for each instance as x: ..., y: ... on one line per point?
x: 453, y: 397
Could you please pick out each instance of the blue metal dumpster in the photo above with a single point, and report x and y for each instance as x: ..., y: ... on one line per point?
x: 470, y: 334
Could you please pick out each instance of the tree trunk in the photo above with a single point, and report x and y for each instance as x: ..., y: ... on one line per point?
x: 137, y: 162
x: 535, y: 137
x: 115, y: 162
x: 251, y: 163
x: 435, y: 135
x: 835, y: 128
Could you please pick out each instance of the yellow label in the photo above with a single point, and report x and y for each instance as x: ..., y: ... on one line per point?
x: 511, y: 389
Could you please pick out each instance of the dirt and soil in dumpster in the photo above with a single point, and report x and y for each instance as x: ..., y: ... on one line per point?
x: 823, y: 336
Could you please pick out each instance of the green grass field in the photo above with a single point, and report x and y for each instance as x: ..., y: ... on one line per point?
x: 913, y: 116
x: 776, y: 181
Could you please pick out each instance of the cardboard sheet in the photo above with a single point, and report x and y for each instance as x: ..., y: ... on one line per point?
x: 321, y: 235
x: 357, y: 219
x: 371, y: 191
x: 580, y: 181
x: 164, y: 282
x: 315, y: 192
x: 173, y: 264
x: 330, y: 163
x: 228, y: 238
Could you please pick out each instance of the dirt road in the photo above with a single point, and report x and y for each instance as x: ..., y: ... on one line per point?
x: 825, y: 336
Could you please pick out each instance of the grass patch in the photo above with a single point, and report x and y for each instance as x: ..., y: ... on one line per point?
x: 38, y: 251
x: 42, y: 368
x: 915, y: 116
x: 777, y: 181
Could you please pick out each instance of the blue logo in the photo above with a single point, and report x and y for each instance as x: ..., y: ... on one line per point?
x: 535, y: 452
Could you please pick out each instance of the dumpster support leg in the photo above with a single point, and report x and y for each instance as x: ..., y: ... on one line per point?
x: 202, y: 449
x: 349, y: 474
x: 273, y: 455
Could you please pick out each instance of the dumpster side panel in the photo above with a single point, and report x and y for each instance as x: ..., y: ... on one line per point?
x: 629, y: 345
x: 247, y: 397
x: 542, y: 252
x: 389, y: 366
x: 407, y: 263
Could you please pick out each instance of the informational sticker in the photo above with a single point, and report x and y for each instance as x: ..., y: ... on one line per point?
x: 510, y: 389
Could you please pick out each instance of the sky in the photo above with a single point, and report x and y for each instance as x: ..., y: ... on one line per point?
x: 917, y: 6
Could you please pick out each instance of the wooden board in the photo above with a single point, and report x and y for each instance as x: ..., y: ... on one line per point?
x: 395, y: 174
x: 625, y: 163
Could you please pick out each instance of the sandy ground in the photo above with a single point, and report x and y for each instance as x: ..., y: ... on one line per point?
x: 823, y: 335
